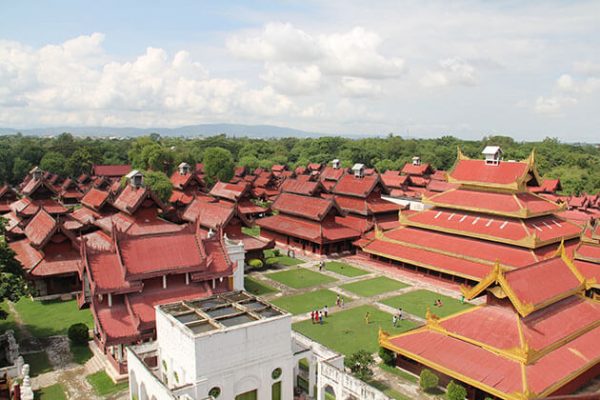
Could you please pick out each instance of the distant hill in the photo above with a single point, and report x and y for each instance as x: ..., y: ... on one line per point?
x: 253, y: 131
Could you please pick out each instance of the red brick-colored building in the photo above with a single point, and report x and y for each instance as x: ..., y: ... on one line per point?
x: 535, y: 336
x: 308, y: 223
x: 488, y: 216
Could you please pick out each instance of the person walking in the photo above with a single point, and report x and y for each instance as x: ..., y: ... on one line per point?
x: 312, y: 316
x: 395, y: 320
x: 326, y: 311
x: 321, y: 318
x: 342, y: 302
x: 337, y: 300
x: 367, y: 315
x: 399, y: 313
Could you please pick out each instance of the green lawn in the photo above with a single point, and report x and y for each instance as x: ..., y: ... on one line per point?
x: 49, y: 318
x: 103, y: 385
x: 385, y: 388
x: 306, y: 302
x: 254, y: 231
x: 256, y: 287
x: 372, y: 287
x: 38, y: 363
x: 272, y: 259
x: 9, y: 322
x: 344, y: 269
x: 81, y: 353
x: 54, y: 392
x: 300, y: 278
x: 416, y: 303
x: 347, y: 332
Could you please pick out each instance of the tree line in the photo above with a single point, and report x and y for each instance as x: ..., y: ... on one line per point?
x: 577, y: 165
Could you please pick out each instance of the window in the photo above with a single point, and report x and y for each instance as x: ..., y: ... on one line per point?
x: 276, y: 373
x: 252, y: 395
x: 276, y: 391
x: 215, y: 392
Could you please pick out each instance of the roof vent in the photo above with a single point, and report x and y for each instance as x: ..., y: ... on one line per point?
x: 359, y: 170
x: 416, y: 160
x: 335, y: 164
x: 135, y: 178
x: 493, y: 155
x: 184, y: 168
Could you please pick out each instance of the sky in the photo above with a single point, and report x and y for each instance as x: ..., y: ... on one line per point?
x: 529, y: 70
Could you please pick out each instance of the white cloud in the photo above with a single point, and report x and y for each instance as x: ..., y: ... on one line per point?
x: 568, y: 91
x: 293, y: 80
x: 76, y: 82
x: 452, y: 71
x: 297, y: 63
x: 552, y: 105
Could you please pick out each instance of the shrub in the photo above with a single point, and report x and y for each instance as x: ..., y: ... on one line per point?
x: 454, y: 391
x: 360, y: 364
x: 79, y: 333
x: 255, y: 263
x: 276, y: 253
x: 428, y: 380
x: 387, y: 356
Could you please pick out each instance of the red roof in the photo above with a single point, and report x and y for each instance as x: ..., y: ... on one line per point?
x: 314, y: 167
x: 547, y: 186
x: 39, y: 229
x: 420, y: 170
x: 358, y: 187
x: 478, y: 172
x: 316, y: 232
x: 543, y: 281
x: 370, y: 206
x: 116, y: 171
x: 209, y: 215
x: 95, y: 198
x: 332, y: 174
x: 313, y: 208
x: 419, y: 181
x: 393, y: 179
x: 499, y: 203
x: 246, y: 207
x: 307, y: 188
x: 229, y: 191
x: 34, y: 185
x: 59, y: 259
x: 278, y: 168
x: 131, y: 198
x: 439, y: 175
x: 27, y: 255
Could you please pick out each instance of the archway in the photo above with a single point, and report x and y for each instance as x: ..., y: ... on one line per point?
x: 328, y: 393
x: 133, y: 386
x: 143, y: 392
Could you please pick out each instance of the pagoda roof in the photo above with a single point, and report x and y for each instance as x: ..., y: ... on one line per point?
x: 313, y: 208
x: 519, y: 205
x: 230, y: 191
x: 113, y: 171
x: 36, y: 183
x: 351, y: 185
x: 306, y: 188
x: 181, y: 181
x: 209, y: 214
x: 508, y: 175
x: 314, y: 231
x: 58, y: 259
x: 532, y: 233
x: 41, y: 227
x: 393, y: 179
x: 181, y: 197
x: 590, y: 270
x: 547, y: 186
x: 536, y: 286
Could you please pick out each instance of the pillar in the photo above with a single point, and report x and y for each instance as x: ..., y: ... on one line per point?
x: 110, y: 300
x: 187, y: 278
x: 164, y: 281
x: 312, y: 377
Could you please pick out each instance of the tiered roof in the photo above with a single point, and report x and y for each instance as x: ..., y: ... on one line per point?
x: 110, y: 171
x: 534, y: 336
x: 488, y: 216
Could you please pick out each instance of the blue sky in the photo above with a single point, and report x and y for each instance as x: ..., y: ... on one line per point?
x: 426, y: 68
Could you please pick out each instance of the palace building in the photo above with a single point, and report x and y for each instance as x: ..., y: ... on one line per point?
x: 489, y: 216
x: 537, y: 335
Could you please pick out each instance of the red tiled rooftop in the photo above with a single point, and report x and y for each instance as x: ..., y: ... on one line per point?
x: 209, y: 215
x: 40, y: 227
x: 304, y: 206
x: 306, y: 229
x: 229, y: 191
x: 95, y: 198
x: 111, y: 170
x: 358, y: 187
x: 419, y: 170
x: 477, y: 172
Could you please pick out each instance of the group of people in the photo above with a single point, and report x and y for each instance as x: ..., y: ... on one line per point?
x: 317, y: 315
x: 339, y: 301
x: 438, y: 303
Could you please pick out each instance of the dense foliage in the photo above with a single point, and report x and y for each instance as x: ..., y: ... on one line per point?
x: 454, y: 391
x: 387, y: 356
x: 577, y: 165
x: 79, y: 333
x: 360, y: 364
x: 12, y: 282
x: 428, y: 380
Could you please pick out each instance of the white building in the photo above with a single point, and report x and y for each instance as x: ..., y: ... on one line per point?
x: 228, y: 346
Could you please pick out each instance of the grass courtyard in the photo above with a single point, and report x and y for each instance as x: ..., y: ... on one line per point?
x: 417, y: 302
x: 50, y: 318
x: 344, y: 269
x: 302, y: 303
x: 54, y: 392
x: 373, y: 287
x: 347, y: 332
x: 103, y: 385
x: 300, y: 278
x: 272, y: 259
x: 256, y: 287
x: 38, y: 363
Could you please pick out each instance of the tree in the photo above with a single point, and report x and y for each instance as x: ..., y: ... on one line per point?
x: 80, y: 162
x: 428, y: 380
x: 218, y: 164
x: 54, y: 162
x: 159, y: 183
x: 360, y: 364
x: 12, y: 282
x: 454, y: 391
x: 387, y: 356
x: 20, y: 169
x: 79, y: 333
